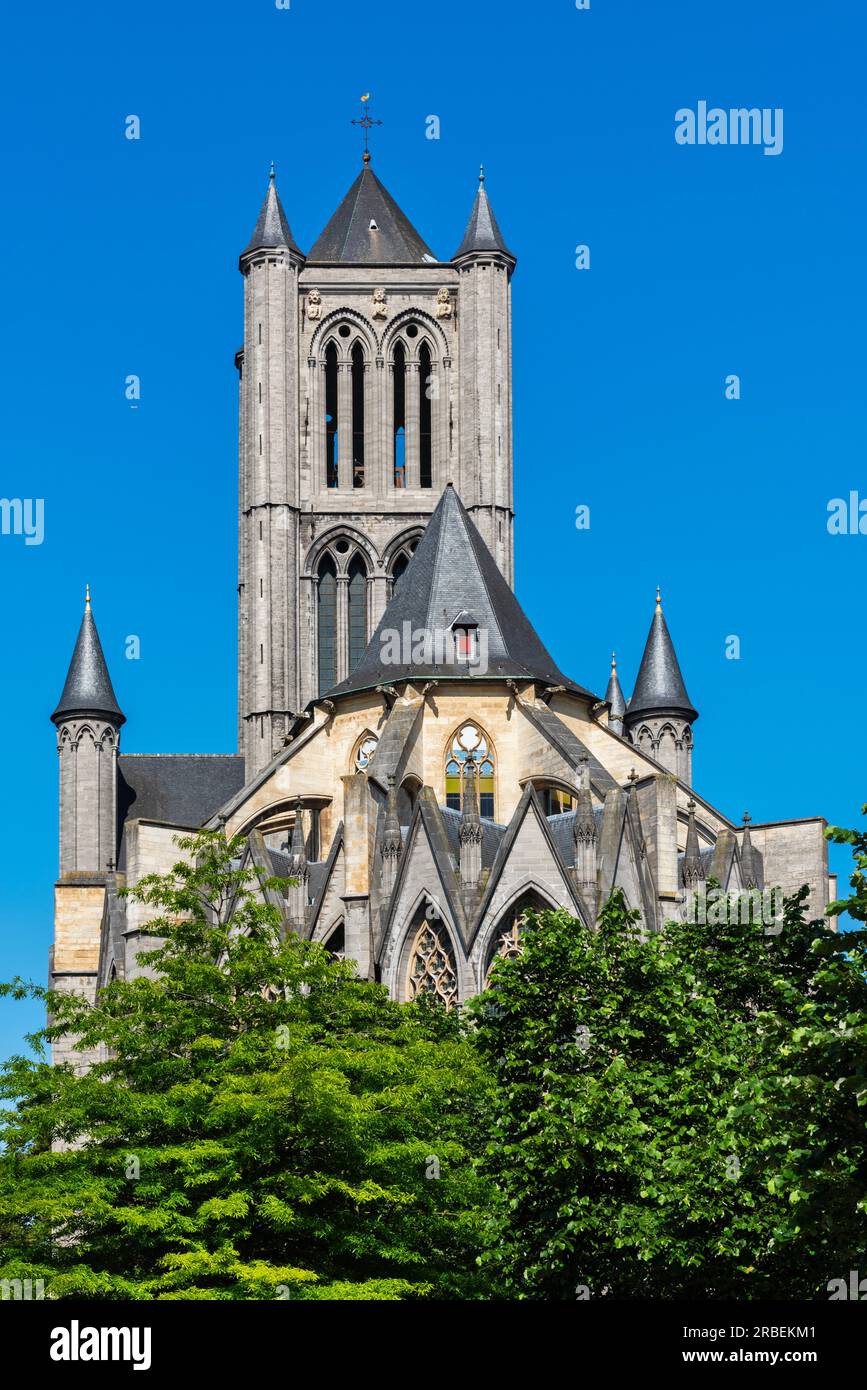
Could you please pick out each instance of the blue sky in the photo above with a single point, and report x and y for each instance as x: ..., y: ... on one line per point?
x: 121, y: 257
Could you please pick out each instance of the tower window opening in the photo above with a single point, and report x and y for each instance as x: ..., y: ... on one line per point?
x: 331, y: 476
x: 357, y: 615
x: 260, y: 443
x: 327, y: 624
x: 260, y: 530
x: 425, y: 417
x: 357, y: 416
x: 261, y: 654
x: 260, y: 392
x: 260, y: 332
x: 399, y: 416
x: 261, y: 588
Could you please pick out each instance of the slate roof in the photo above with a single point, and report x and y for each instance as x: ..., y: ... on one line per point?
x: 349, y: 239
x: 88, y: 689
x: 451, y: 570
x: 660, y: 687
x: 182, y: 789
x: 272, y: 228
x: 614, y: 693
x: 482, y: 234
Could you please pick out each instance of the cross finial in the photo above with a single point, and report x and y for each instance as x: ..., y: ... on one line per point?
x: 481, y: 174
x: 87, y: 595
x: 272, y: 176
x: 366, y: 121
x: 746, y: 818
x: 613, y: 661
x: 658, y: 600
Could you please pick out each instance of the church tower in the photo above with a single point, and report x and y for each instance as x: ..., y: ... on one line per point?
x: 372, y: 374
x: 88, y: 721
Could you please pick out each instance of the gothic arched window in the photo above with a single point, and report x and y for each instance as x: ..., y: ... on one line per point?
x: 470, y: 745
x: 425, y: 442
x: 508, y: 938
x: 399, y: 416
x: 358, y: 416
x: 331, y: 472
x: 357, y: 614
x: 399, y: 564
x: 432, y: 970
x: 327, y: 624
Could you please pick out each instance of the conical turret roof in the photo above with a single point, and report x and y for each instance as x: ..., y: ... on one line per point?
x: 614, y: 693
x: 660, y: 688
x: 483, y: 233
x: 272, y: 227
x: 88, y: 689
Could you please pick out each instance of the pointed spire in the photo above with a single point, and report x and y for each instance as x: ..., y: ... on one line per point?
x: 272, y: 229
x: 369, y: 228
x: 584, y: 858
x: 88, y: 689
x: 692, y: 868
x: 483, y: 234
x: 616, y: 701
x: 749, y: 873
x: 660, y: 688
x: 299, y: 844
x: 392, y: 842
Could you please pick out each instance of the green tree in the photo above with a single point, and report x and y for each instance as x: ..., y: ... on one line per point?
x: 677, y: 1116
x: 263, y: 1124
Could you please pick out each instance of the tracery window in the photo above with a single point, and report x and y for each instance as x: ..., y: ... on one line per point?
x: 432, y: 969
x: 364, y: 752
x: 509, y: 935
x: 470, y: 745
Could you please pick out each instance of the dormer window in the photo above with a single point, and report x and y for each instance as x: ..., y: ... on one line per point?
x: 466, y: 639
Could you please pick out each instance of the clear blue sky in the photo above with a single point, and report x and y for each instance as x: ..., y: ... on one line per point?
x: 120, y: 257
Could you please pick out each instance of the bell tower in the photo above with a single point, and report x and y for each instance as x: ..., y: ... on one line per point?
x: 372, y: 375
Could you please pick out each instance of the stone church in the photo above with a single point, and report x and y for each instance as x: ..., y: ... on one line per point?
x: 407, y: 748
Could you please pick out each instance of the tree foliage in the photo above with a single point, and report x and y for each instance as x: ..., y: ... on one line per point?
x: 261, y: 1123
x: 680, y: 1115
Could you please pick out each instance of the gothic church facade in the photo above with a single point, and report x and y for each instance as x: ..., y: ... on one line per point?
x: 407, y: 748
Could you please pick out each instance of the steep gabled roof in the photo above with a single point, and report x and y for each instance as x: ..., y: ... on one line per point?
x: 272, y: 228
x: 660, y: 688
x: 369, y: 228
x: 451, y: 571
x: 483, y: 233
x: 88, y: 689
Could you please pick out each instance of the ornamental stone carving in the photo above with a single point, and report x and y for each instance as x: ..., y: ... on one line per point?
x: 444, y: 304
